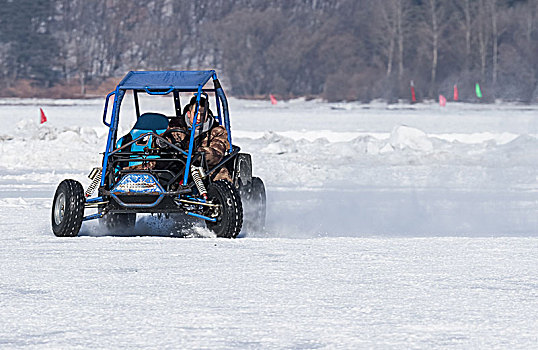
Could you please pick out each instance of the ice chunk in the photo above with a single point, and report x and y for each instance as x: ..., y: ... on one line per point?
x: 407, y: 137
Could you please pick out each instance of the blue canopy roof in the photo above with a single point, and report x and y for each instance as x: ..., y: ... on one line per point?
x: 185, y: 80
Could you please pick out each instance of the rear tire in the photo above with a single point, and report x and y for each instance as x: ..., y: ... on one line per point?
x: 230, y: 215
x: 68, y: 209
x: 255, y: 206
x: 118, y: 222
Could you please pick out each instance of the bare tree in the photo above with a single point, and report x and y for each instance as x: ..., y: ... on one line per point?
x: 495, y: 36
x: 402, y: 19
x: 390, y: 32
x: 483, y: 35
x: 436, y: 20
x: 466, y: 12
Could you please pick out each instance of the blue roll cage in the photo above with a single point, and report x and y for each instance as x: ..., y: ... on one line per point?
x: 156, y: 83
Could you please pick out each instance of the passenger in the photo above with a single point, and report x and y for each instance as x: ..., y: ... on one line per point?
x: 210, y: 138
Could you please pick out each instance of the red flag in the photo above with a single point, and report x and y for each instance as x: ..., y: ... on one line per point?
x: 442, y: 101
x: 273, y: 99
x: 413, y: 97
x: 456, y: 96
x: 43, y: 118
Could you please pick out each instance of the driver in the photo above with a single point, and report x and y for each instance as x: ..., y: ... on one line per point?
x: 210, y: 138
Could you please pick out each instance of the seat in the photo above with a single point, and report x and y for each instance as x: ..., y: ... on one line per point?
x: 147, y: 122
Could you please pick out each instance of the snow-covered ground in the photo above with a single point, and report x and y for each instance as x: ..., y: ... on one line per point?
x: 388, y: 226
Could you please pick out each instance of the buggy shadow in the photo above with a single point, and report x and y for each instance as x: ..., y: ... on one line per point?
x: 180, y: 180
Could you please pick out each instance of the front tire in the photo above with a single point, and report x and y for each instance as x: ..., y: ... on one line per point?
x: 229, y: 215
x: 68, y: 209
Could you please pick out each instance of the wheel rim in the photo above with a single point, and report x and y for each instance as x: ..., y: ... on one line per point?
x: 59, y: 209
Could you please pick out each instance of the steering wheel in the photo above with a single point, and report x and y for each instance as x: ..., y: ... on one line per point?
x: 170, y: 131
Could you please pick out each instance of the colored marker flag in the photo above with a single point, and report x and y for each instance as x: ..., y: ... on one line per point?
x: 456, y: 95
x: 273, y: 99
x: 442, y: 100
x: 478, y: 91
x: 413, y: 96
x: 43, y: 117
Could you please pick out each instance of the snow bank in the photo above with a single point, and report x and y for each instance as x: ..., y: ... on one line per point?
x: 35, y: 146
x: 294, y: 161
x: 403, y: 137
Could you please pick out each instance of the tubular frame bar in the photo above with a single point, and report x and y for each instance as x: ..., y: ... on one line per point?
x: 201, y: 217
x: 92, y: 217
x: 94, y: 200
x: 220, y: 93
x: 177, y: 104
x: 137, y: 106
x: 138, y: 205
x: 168, y: 89
x: 106, y: 107
x: 144, y: 135
x: 193, y: 131
x: 224, y: 160
x: 111, y: 132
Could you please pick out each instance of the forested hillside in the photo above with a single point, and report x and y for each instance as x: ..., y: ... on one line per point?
x: 335, y: 49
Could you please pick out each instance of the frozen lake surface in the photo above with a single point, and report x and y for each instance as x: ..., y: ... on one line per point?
x: 389, y: 226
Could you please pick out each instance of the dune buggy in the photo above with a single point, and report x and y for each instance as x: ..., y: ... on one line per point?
x: 182, y: 182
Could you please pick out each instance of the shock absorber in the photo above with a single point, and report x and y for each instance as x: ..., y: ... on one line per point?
x: 95, y: 176
x: 197, y: 173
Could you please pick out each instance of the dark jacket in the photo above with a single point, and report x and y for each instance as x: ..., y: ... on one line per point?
x: 213, y: 142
